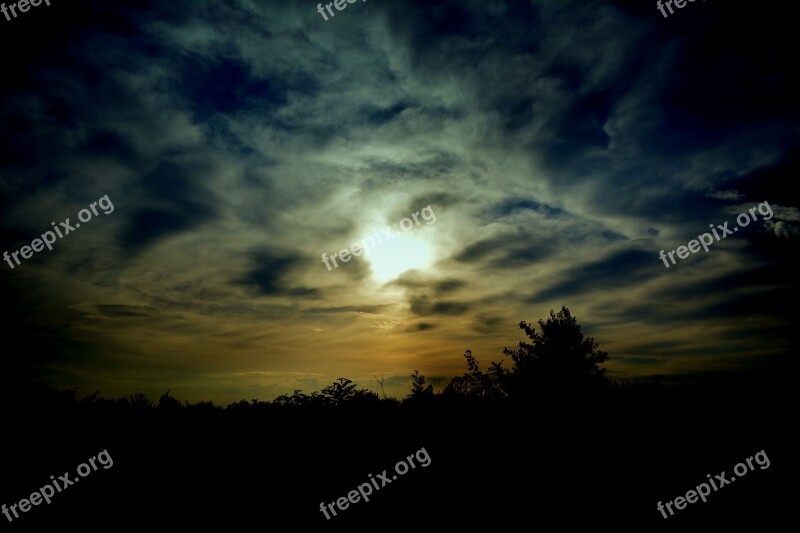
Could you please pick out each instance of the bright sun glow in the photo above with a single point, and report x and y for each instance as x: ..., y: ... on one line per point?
x: 392, y: 258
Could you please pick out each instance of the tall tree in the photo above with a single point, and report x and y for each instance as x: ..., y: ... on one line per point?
x: 557, y: 359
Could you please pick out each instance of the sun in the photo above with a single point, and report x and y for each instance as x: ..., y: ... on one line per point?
x: 390, y: 259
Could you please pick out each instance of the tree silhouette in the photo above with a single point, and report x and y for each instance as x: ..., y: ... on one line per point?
x: 380, y: 382
x: 418, y: 389
x: 558, y: 359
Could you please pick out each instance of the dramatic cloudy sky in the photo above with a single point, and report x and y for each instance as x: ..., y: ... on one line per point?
x: 560, y: 144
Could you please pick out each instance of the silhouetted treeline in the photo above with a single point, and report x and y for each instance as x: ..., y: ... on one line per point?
x: 542, y: 436
x: 557, y: 361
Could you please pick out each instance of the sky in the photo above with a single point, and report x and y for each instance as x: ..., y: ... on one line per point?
x: 558, y: 147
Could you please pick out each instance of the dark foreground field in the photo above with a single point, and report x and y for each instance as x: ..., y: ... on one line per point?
x: 603, y: 459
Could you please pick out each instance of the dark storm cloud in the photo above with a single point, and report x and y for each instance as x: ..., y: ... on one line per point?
x: 175, y: 201
x: 731, y: 302
x: 486, y: 324
x: 227, y: 86
x: 511, y: 205
x: 428, y: 28
x: 377, y: 116
x: 508, y: 251
x: 422, y: 284
x: 106, y: 143
x: 763, y: 275
x: 448, y: 285
x: 423, y: 306
x: 272, y: 273
x: 769, y: 182
x: 422, y: 326
x: 621, y: 269
x: 149, y: 225
x: 432, y: 166
x: 437, y: 200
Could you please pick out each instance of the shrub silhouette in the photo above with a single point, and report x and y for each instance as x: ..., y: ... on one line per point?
x: 340, y: 391
x: 343, y: 391
x: 139, y: 402
x: 168, y: 404
x: 476, y: 384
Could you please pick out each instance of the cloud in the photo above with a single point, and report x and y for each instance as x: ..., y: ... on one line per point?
x: 422, y: 326
x: 506, y: 251
x: 449, y: 285
x: 272, y: 273
x: 423, y: 306
x: 618, y: 270
x: 124, y: 310
x: 730, y: 196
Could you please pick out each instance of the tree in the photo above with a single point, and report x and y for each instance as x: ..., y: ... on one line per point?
x: 558, y: 359
x: 418, y: 389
